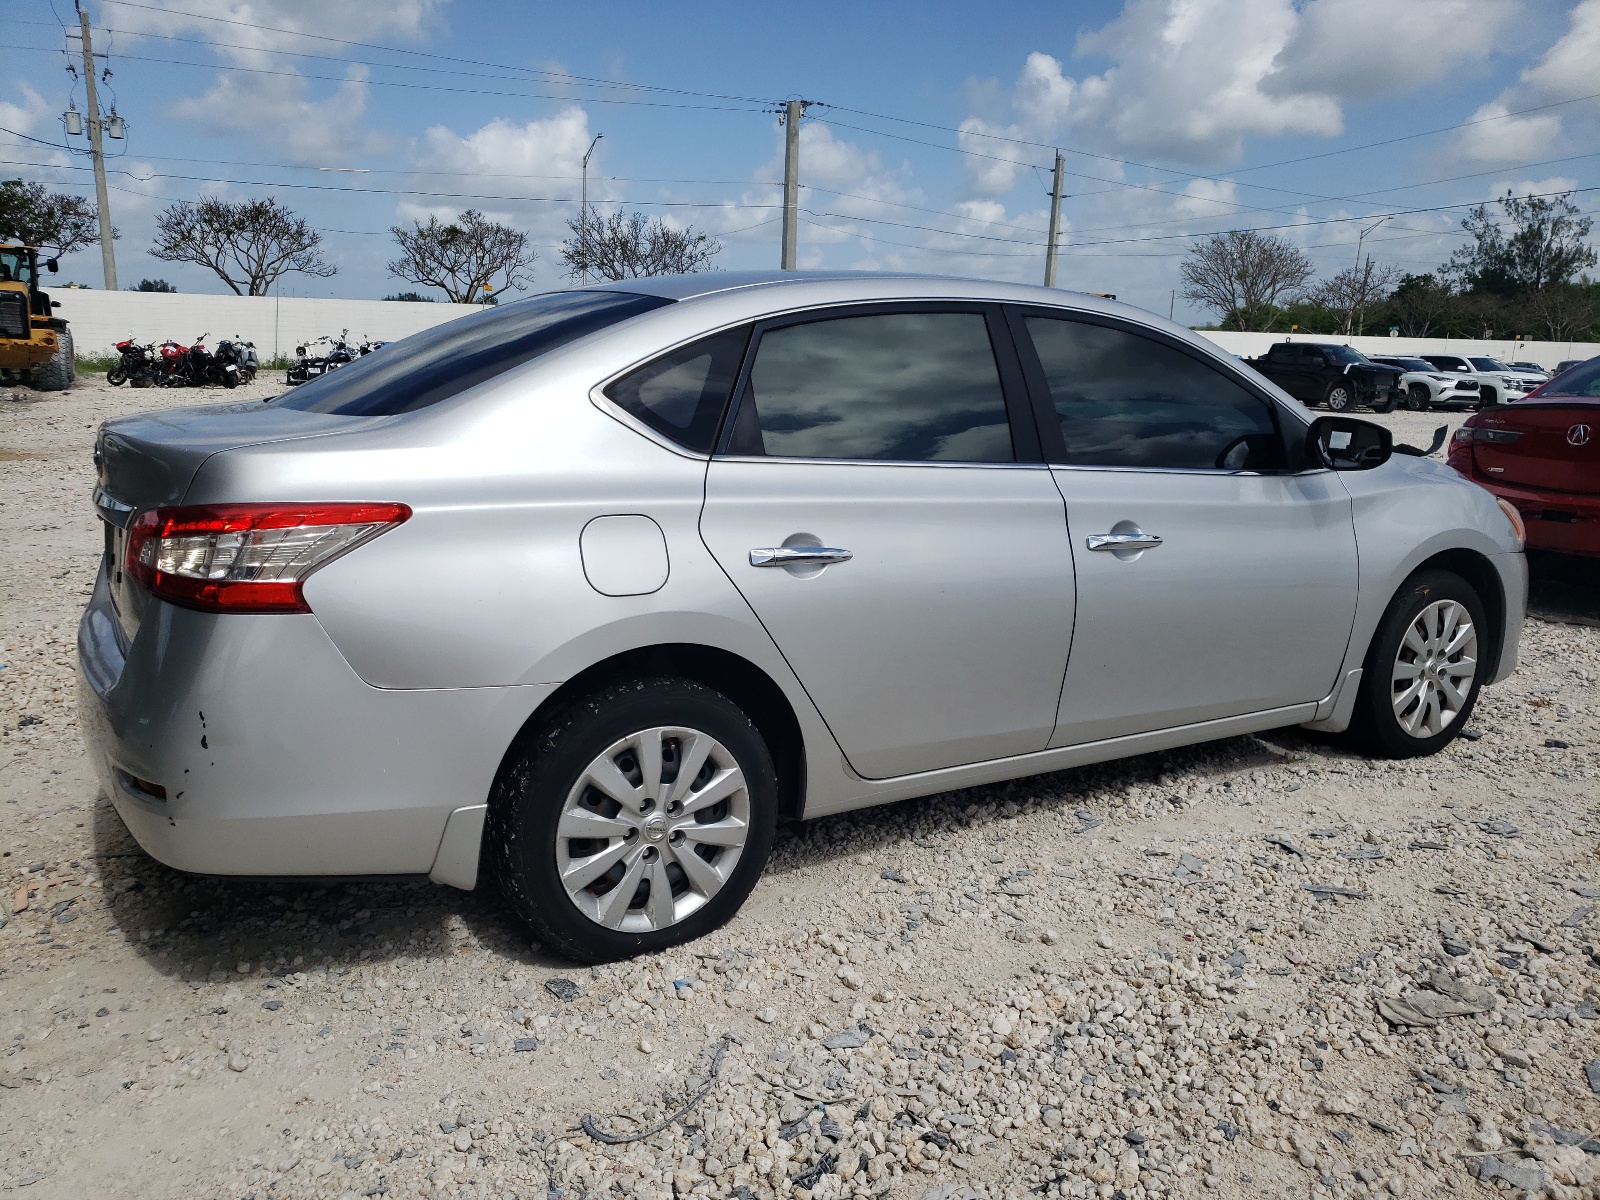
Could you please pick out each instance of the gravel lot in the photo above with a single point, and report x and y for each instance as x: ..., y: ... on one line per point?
x: 1259, y: 967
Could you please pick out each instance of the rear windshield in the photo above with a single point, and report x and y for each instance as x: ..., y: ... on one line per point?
x: 446, y: 360
x: 1581, y: 380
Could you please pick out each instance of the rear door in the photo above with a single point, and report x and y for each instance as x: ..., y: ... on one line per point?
x: 1212, y: 582
x: 880, y: 503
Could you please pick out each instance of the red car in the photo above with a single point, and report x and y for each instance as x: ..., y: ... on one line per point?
x: 1542, y: 453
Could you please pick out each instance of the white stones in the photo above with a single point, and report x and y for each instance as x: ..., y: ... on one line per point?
x: 238, y: 1062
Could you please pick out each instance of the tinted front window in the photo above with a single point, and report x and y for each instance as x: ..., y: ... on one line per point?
x: 1124, y: 400
x: 1344, y: 355
x: 1405, y: 364
x: 680, y: 395
x: 1489, y: 364
x: 446, y: 360
x: 913, y: 387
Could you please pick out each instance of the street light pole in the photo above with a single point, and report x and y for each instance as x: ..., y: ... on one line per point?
x: 108, y: 254
x: 1355, y: 280
x: 583, y: 208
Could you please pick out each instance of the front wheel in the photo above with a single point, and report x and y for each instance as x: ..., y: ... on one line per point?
x: 634, y: 819
x: 1488, y: 398
x: 1339, y: 397
x: 1424, y: 668
x: 1417, y: 397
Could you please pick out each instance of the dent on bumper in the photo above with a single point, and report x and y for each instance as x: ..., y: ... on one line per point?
x: 275, y: 757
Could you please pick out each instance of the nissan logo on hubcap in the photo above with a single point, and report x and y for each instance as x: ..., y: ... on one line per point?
x: 655, y: 829
x: 1578, y: 435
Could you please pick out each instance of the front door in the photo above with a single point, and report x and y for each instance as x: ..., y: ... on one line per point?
x: 871, y: 509
x: 1211, y: 581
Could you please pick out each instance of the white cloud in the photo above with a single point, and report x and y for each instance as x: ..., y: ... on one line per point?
x: 1565, y: 72
x: 1380, y: 47
x: 32, y: 117
x: 266, y: 95
x: 1192, y: 79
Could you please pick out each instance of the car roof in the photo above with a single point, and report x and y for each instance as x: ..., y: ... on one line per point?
x: 869, y: 285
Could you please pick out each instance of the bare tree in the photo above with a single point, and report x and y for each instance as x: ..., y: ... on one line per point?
x: 35, y: 216
x: 1244, y: 275
x: 463, y: 257
x: 631, y: 245
x: 250, y: 244
x: 1352, y: 291
x: 1565, y: 309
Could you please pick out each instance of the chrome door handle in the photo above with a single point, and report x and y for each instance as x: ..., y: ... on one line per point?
x: 1123, y: 541
x: 786, y: 556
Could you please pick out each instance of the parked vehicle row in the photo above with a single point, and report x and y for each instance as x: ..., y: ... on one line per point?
x: 316, y: 358
x: 1337, y: 377
x: 173, y: 364
x: 593, y: 589
x: 1497, y: 382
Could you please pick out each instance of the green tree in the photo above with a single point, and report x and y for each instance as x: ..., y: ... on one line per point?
x: 32, y: 214
x: 1535, y: 242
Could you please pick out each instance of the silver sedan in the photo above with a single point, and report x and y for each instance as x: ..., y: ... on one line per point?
x: 586, y: 593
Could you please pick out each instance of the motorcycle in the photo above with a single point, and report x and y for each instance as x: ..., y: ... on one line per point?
x: 205, y: 367
x: 137, y: 365
x: 241, y: 354
x: 309, y: 366
x: 172, y: 370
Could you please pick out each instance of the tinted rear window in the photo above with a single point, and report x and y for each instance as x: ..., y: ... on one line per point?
x: 1581, y: 380
x: 446, y: 360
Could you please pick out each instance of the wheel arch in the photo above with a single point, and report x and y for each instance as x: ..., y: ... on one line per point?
x: 736, y: 677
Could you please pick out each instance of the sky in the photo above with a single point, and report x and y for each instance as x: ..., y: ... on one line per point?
x: 928, y: 146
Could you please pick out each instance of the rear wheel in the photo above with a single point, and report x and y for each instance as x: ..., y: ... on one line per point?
x: 1339, y: 397
x: 1424, y: 668
x: 634, y: 819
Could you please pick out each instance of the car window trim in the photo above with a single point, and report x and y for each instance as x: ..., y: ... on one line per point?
x: 1049, y: 422
x: 1020, y: 417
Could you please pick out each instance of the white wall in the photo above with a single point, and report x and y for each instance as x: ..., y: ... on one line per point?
x: 1546, y: 354
x: 276, y: 324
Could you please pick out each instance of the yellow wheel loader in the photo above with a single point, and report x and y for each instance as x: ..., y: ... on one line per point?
x: 35, y: 344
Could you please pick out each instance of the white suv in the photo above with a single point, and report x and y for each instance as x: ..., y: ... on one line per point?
x: 1428, y: 387
x: 1497, y: 382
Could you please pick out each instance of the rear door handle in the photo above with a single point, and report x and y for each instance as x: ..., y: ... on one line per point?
x: 785, y: 556
x: 1123, y: 541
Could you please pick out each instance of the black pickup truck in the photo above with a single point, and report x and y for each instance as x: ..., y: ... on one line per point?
x: 1321, y: 373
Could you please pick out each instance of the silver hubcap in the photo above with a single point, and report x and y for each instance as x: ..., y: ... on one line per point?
x: 653, y: 829
x: 1433, y: 671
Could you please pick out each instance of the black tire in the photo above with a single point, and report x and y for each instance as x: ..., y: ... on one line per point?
x: 1374, y: 724
x: 1418, y: 399
x: 1488, y: 398
x: 116, y: 377
x: 1387, y: 404
x: 1340, y: 396
x: 520, y: 840
x: 57, y: 374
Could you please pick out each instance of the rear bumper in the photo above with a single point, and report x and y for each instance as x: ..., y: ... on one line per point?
x: 1564, y: 522
x: 276, y: 759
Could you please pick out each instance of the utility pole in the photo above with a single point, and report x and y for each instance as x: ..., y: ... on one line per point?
x: 108, y: 255
x: 1055, y: 223
x: 792, y: 112
x: 583, y: 207
x: 1358, y: 281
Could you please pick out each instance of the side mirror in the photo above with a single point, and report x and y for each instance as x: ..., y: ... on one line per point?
x: 52, y: 265
x: 1346, y: 444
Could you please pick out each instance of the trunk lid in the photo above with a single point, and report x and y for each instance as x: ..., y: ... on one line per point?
x: 1558, y: 448
x: 148, y: 461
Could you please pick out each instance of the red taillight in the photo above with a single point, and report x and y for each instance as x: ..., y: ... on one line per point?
x: 247, y: 558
